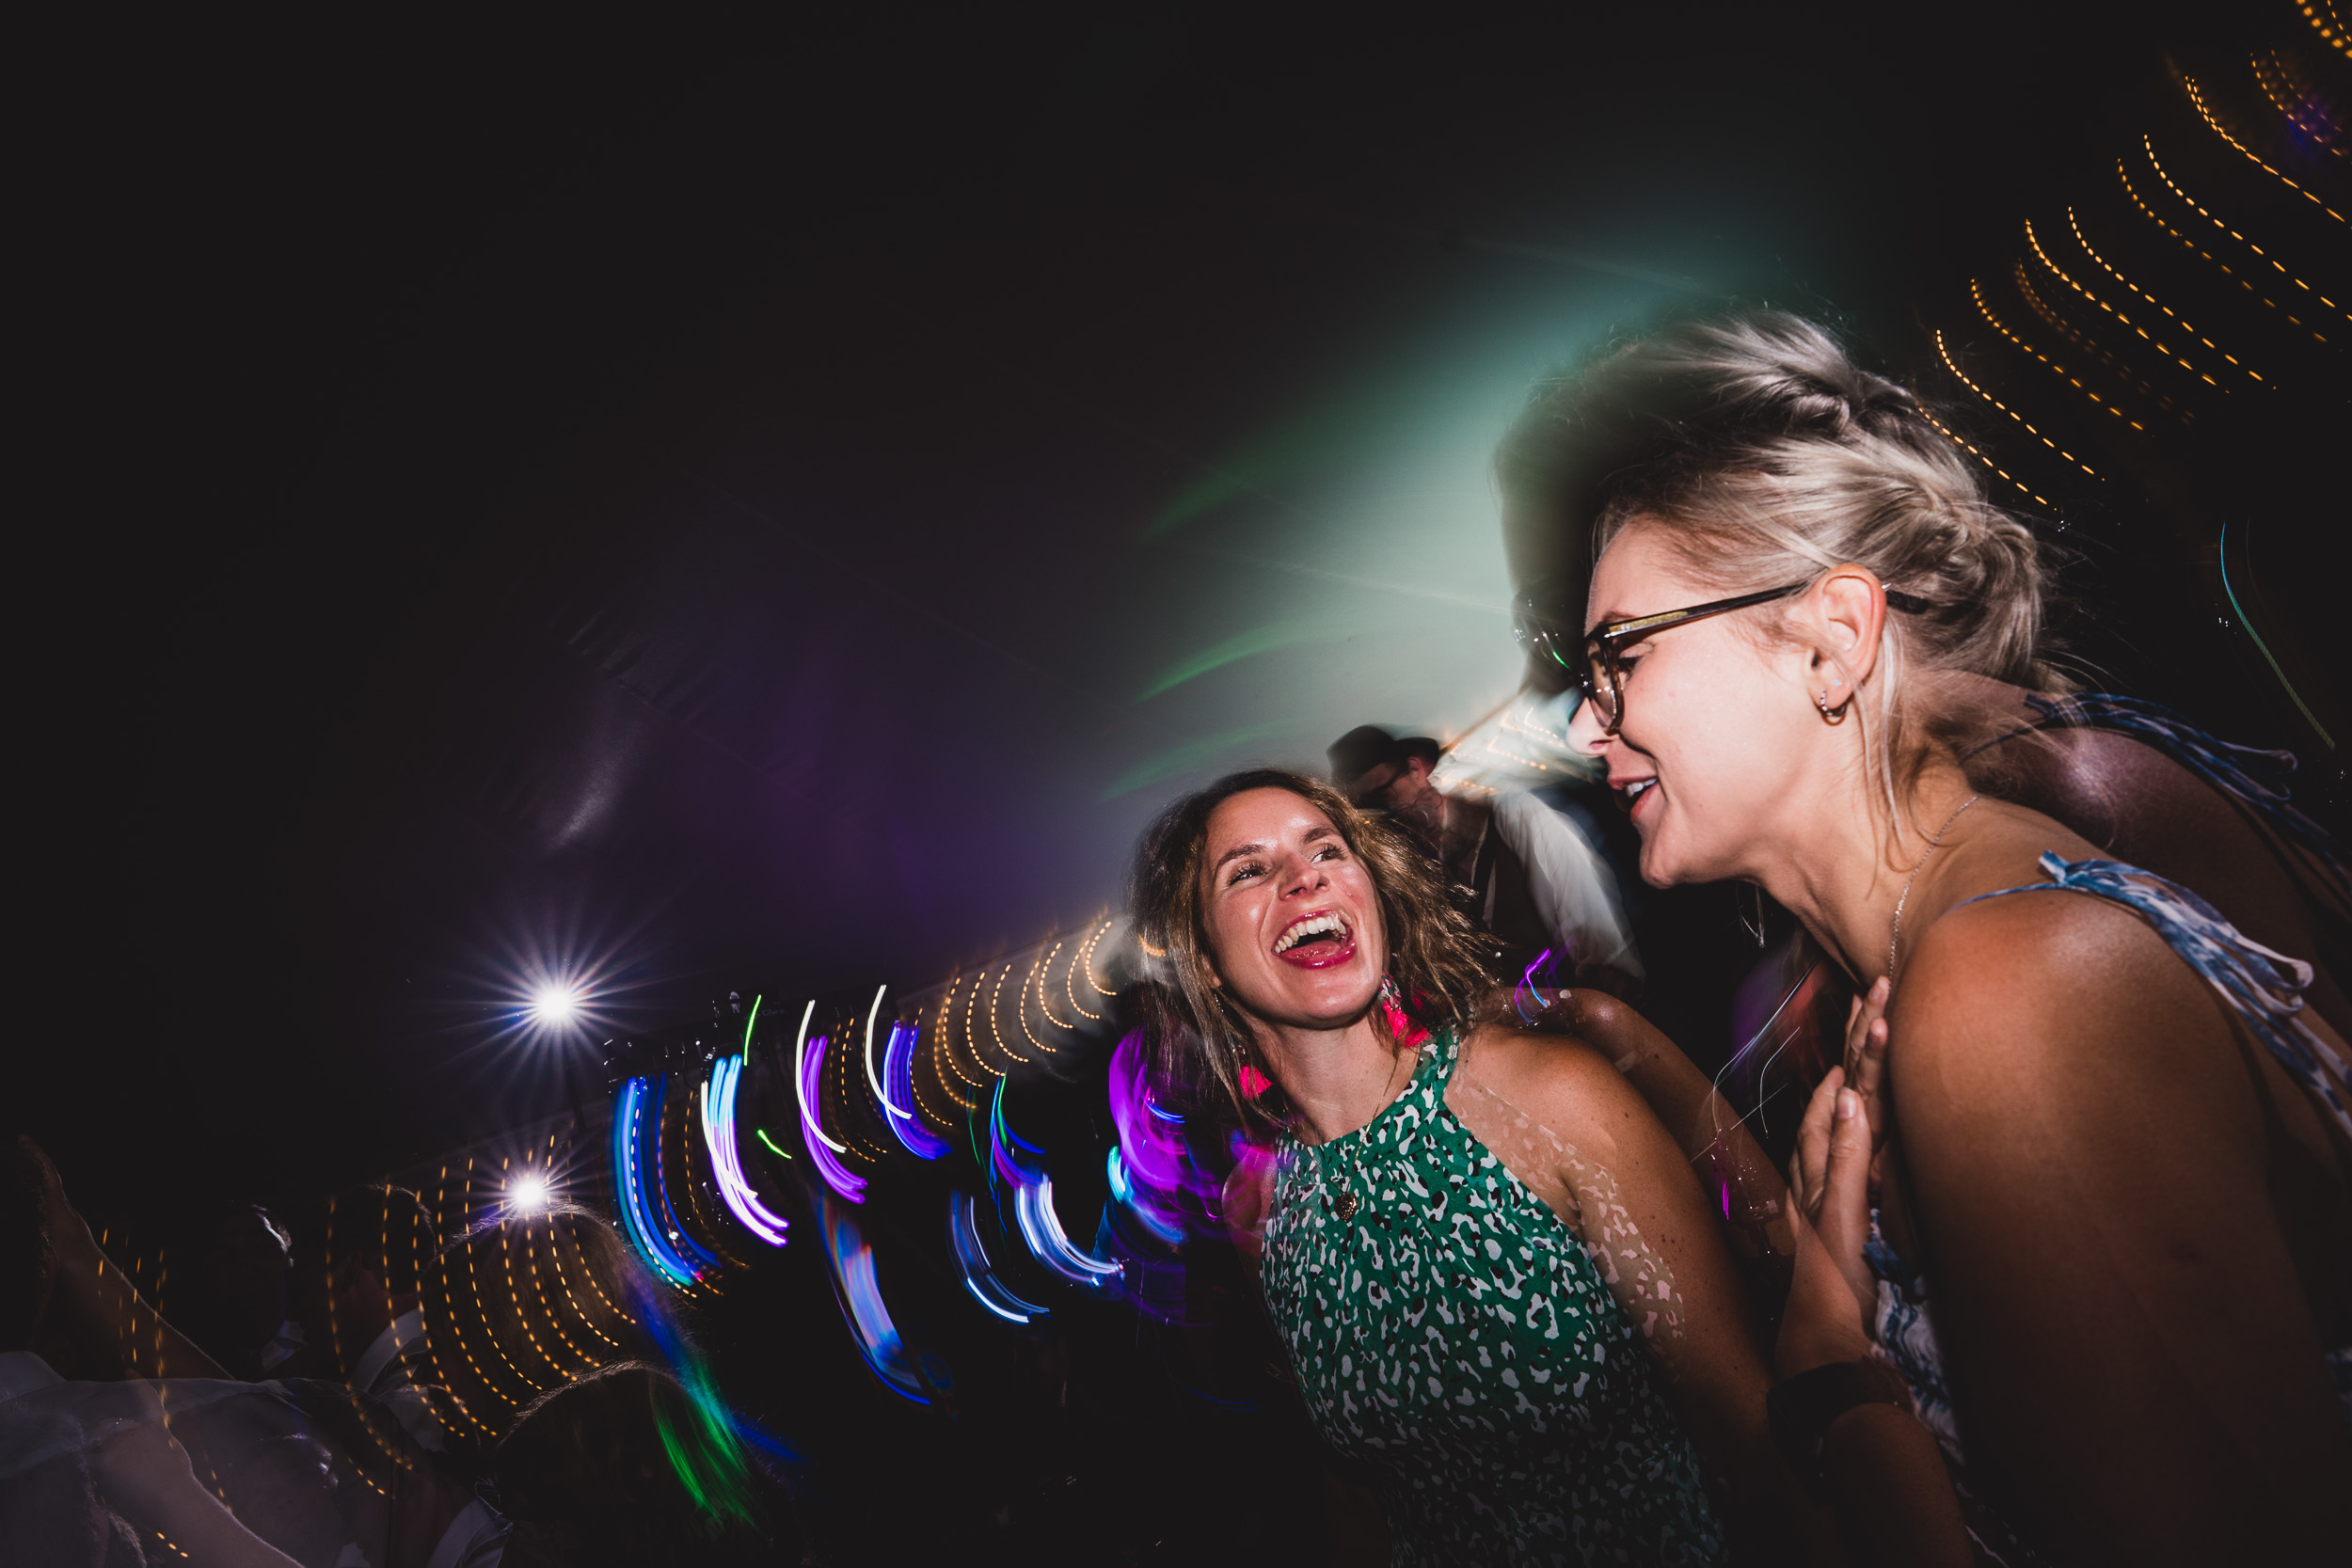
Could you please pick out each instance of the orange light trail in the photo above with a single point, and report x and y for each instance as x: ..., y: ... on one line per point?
x: 2080, y: 239
x: 2232, y: 232
x: 2220, y: 130
x: 1954, y: 367
x: 1976, y: 290
x: 2035, y: 240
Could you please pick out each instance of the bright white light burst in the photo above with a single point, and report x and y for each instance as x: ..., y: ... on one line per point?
x: 527, y: 1194
x: 555, y: 1004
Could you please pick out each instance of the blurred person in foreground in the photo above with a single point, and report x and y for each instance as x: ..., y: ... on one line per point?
x: 2108, y: 1117
x: 1523, y: 873
x: 1499, y: 1284
x: 179, y: 1461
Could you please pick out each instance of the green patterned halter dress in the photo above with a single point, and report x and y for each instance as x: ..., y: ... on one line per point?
x: 1450, y: 1331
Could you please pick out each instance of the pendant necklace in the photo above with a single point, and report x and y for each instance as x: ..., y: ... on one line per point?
x: 1344, y: 1203
x: 1895, y: 937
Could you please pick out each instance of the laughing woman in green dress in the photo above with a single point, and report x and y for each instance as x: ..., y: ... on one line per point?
x: 1499, y: 1283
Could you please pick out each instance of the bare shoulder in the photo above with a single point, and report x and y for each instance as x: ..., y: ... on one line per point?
x: 2052, y: 1008
x: 1564, y: 1083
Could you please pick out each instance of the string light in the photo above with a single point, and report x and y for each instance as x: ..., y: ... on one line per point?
x: 706, y: 1262
x: 2080, y: 239
x: 1098, y: 985
x: 637, y: 1217
x: 2322, y: 134
x: 539, y: 1286
x: 440, y: 1373
x: 482, y: 1311
x: 1043, y: 970
x: 1021, y: 1002
x: 2035, y: 240
x: 1976, y: 290
x: 2241, y: 239
x: 2066, y: 329
x: 2227, y: 271
x: 2335, y: 35
x: 2005, y: 408
x: 2220, y: 130
x: 1980, y: 456
x: 995, y: 997
x: 506, y: 1261
x: 1069, y: 978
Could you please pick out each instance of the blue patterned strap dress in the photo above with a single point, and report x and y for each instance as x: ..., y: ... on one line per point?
x: 2262, y: 988
x: 1452, y: 1333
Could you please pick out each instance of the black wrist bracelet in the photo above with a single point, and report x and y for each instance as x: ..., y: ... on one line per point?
x: 1803, y: 1409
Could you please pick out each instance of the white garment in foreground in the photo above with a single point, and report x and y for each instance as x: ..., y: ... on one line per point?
x: 1575, y: 892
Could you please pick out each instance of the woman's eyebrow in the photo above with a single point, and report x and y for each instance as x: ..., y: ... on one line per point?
x: 1235, y: 853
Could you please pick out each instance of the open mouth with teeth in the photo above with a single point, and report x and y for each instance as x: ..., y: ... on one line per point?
x: 1315, y: 942
x: 1630, y: 794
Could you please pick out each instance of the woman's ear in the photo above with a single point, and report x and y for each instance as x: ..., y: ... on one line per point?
x: 1847, y: 610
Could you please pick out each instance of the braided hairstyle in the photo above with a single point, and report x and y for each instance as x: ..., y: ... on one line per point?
x: 1765, y: 455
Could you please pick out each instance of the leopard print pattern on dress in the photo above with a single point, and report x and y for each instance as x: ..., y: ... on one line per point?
x: 1451, y: 1332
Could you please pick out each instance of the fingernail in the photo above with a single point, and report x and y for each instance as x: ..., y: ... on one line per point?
x: 1847, y: 1103
x: 1879, y: 987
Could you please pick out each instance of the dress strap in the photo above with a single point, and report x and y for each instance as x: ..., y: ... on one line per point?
x: 2256, y: 778
x: 2262, y: 986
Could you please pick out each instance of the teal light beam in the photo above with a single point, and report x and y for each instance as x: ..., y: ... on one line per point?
x: 1191, y: 755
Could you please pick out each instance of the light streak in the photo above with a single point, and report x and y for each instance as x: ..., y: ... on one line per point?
x: 2067, y: 330
x: 2035, y: 240
x: 2083, y: 240
x: 727, y: 1159
x: 872, y: 1080
x: 2334, y: 35
x: 1124, y: 1192
x: 773, y: 1147
x: 804, y: 1083
x: 637, y: 1220
x: 1020, y: 1003
x: 898, y: 1073
x: 1033, y: 1206
x: 2220, y: 130
x: 980, y: 1278
x: 1976, y: 290
x: 994, y: 997
x: 876, y: 1337
x: 2323, y: 134
x: 2199, y: 208
x: 2222, y: 550
x: 1098, y: 985
x: 1951, y: 365
x: 698, y: 1115
x: 1043, y: 970
x: 2227, y: 271
x: 821, y: 1150
x: 1033, y: 1209
x: 708, y: 1264
x: 1069, y: 977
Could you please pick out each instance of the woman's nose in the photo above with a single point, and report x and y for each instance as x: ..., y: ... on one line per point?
x: 1587, y: 735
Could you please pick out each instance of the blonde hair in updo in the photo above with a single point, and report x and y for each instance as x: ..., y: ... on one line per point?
x: 1764, y: 456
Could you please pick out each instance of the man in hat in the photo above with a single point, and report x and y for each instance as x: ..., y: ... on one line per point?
x: 1521, y: 870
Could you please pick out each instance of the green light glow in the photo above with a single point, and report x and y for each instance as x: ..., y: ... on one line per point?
x: 771, y: 1142
x: 1191, y: 755
x: 748, y: 1022
x: 1247, y: 644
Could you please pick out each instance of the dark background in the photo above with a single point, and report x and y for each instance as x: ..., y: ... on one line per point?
x: 697, y: 504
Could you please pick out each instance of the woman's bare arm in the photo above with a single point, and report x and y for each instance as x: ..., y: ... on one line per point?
x: 1609, y: 1166
x: 2129, y: 1344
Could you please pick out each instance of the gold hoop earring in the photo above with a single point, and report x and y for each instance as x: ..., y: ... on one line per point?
x: 1831, y: 715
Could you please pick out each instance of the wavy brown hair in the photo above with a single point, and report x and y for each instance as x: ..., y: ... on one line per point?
x: 1198, y: 1037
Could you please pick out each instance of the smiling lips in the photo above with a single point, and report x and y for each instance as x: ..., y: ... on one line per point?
x: 1315, y: 941
x: 1631, y: 792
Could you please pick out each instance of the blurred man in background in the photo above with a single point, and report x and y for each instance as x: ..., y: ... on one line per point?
x: 1523, y: 872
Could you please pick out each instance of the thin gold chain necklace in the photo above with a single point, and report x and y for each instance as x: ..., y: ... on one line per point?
x: 1893, y: 939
